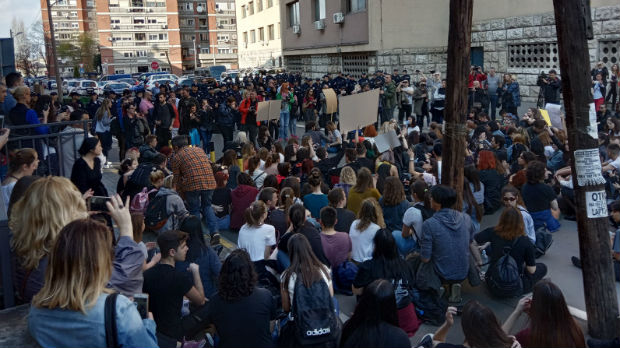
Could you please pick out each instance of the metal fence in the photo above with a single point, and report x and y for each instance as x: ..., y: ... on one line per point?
x: 57, y: 150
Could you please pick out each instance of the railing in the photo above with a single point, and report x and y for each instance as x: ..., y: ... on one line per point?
x: 55, y: 146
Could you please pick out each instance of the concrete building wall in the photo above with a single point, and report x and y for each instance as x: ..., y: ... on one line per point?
x: 514, y: 37
x: 266, y: 52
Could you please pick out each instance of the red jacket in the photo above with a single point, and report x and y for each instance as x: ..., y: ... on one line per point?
x: 244, y: 107
x: 476, y: 77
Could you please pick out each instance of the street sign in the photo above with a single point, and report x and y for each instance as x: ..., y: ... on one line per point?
x: 82, y: 71
x: 154, y: 65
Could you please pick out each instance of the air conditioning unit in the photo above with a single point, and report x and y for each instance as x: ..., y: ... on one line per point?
x: 296, y: 29
x: 319, y: 25
x: 338, y: 18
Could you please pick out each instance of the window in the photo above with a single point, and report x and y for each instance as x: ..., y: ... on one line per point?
x: 73, y: 13
x: 128, y: 54
x: 271, y: 32
x: 163, y: 36
x: 204, y: 50
x: 356, y: 5
x: 74, y: 25
x: 203, y: 36
x: 223, y: 50
x: 259, y: 5
x: 140, y: 36
x: 188, y: 6
x: 608, y: 51
x: 250, y: 8
x: 153, y: 37
x: 536, y: 56
x: 141, y: 54
x: 319, y: 9
x: 243, y: 12
x: 293, y: 13
x: 261, y: 34
x: 202, y: 22
x: 269, y: 3
x: 252, y: 36
x: 245, y: 37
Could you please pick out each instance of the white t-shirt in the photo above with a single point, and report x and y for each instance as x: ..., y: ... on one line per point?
x: 362, y: 241
x: 255, y: 239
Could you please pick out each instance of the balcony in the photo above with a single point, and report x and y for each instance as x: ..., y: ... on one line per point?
x: 226, y: 27
x: 136, y: 9
x: 133, y: 27
x: 217, y: 56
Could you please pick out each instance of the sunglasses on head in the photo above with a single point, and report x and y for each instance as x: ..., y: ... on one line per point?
x: 511, y: 199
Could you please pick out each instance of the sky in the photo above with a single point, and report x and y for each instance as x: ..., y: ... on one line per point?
x: 27, y: 10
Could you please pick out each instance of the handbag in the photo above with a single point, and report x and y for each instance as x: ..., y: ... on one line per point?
x: 111, y: 332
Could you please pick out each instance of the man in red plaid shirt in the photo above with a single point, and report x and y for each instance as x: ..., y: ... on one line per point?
x: 194, y: 180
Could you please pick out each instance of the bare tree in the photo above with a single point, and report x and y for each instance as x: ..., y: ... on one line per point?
x: 28, y: 49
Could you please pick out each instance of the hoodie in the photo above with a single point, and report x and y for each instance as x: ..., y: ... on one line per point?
x: 445, y: 241
x: 242, y: 197
x: 174, y: 207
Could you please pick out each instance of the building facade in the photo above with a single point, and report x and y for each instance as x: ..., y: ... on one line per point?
x: 71, y: 19
x: 258, y: 29
x: 355, y: 36
x: 133, y: 34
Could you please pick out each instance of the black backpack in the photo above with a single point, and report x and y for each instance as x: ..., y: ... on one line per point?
x: 156, y: 214
x: 503, y: 277
x: 313, y: 313
x: 544, y: 239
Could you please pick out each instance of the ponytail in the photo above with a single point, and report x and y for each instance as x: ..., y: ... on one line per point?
x: 254, y: 213
x: 297, y: 216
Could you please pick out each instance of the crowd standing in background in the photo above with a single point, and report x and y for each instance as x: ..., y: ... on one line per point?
x: 317, y: 213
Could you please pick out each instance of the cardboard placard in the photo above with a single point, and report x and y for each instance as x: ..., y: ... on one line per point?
x: 387, y: 141
x: 545, y: 116
x: 274, y: 109
x: 358, y: 110
x: 262, y: 111
x: 331, y: 100
x: 555, y: 115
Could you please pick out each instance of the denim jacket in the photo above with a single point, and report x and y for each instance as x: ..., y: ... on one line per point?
x: 65, y: 328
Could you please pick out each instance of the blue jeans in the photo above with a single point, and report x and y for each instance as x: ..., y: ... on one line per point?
x: 284, y: 120
x: 200, y: 202
x: 404, y: 245
x: 545, y: 219
x: 292, y: 125
x: 493, y: 102
x: 205, y: 136
x: 223, y: 223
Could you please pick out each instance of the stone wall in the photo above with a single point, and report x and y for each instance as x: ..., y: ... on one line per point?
x: 494, y: 37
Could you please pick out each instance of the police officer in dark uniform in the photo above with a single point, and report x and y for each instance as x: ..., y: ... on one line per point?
x: 396, y: 77
x: 406, y: 76
x: 364, y: 79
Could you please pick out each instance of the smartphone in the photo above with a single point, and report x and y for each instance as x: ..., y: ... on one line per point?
x: 142, y: 304
x: 459, y: 310
x: 97, y: 203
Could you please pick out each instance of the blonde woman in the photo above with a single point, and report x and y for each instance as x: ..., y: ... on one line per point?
x: 363, y: 230
x: 69, y: 311
x: 48, y: 205
x: 347, y: 180
x: 103, y: 119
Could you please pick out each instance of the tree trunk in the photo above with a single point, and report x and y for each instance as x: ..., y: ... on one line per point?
x: 454, y: 141
x: 594, y: 243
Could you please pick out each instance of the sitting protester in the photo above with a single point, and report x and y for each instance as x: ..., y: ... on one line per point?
x: 375, y: 320
x: 299, y: 224
x: 166, y: 209
x: 394, y: 204
x: 362, y: 231
x: 256, y: 237
x: 364, y: 188
x: 338, y: 200
x: 237, y: 293
x: 336, y: 245
x: 509, y: 235
x: 540, y: 199
x: 222, y: 200
x: 387, y: 264
x: 242, y: 196
x: 167, y: 286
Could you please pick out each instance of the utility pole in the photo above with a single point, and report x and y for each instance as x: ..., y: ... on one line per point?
x: 572, y: 19
x: 54, y: 58
x: 454, y: 143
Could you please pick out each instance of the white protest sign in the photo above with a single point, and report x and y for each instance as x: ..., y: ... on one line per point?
x: 596, y: 204
x: 588, y: 167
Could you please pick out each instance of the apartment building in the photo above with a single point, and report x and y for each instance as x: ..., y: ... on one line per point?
x: 208, y: 28
x: 355, y: 36
x: 132, y: 34
x: 71, y: 18
x: 258, y: 28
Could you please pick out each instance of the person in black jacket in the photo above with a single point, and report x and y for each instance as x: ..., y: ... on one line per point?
x: 163, y: 114
x: 207, y: 121
x: 551, y: 87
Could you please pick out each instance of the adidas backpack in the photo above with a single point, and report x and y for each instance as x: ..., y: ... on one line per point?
x: 313, y: 313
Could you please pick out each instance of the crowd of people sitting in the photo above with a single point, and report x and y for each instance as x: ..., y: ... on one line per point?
x: 317, y: 214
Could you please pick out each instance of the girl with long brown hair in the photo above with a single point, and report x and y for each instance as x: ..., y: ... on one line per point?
x: 394, y: 204
x: 363, y: 230
x: 510, y: 234
x: 550, y: 321
x: 255, y: 236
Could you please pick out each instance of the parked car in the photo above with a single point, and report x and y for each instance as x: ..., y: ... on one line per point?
x: 186, y: 82
x: 161, y: 79
x: 69, y: 85
x: 117, y: 86
x: 86, y: 87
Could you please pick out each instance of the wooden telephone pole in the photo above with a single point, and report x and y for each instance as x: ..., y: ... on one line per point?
x: 454, y: 140
x: 572, y: 18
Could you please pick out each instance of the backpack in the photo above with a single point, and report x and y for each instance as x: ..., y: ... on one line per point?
x: 314, y: 314
x: 343, y: 276
x: 544, y: 239
x: 156, y: 214
x: 503, y: 277
x: 140, y: 201
x: 402, y: 294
